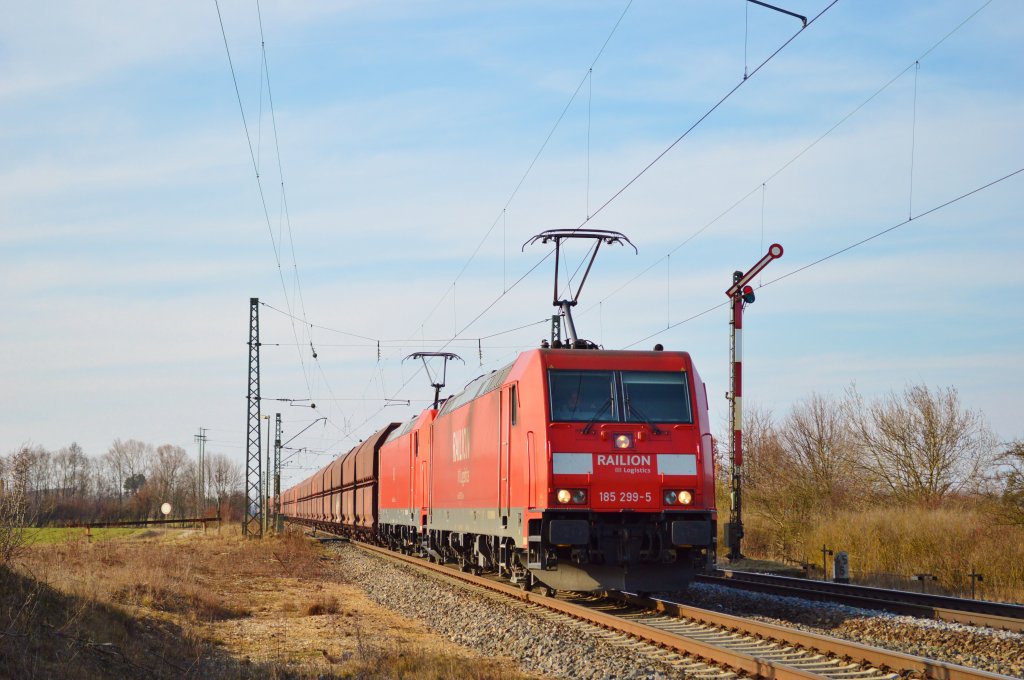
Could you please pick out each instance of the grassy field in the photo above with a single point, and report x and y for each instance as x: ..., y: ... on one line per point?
x: 177, y: 603
x: 45, y: 535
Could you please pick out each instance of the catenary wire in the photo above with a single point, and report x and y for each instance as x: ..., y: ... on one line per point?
x: 795, y: 158
x: 861, y: 242
x: 259, y: 181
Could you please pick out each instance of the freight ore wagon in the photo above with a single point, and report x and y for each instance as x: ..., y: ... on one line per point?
x: 567, y: 469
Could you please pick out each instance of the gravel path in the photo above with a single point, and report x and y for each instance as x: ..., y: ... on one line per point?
x: 568, y: 650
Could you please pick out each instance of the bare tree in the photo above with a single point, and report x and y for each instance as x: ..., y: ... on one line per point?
x: 170, y: 473
x: 13, y: 520
x: 71, y: 467
x: 30, y: 470
x: 819, y: 444
x: 126, y: 460
x: 225, y: 476
x: 921, y: 445
x: 1010, y: 509
x: 770, y: 490
x: 763, y: 457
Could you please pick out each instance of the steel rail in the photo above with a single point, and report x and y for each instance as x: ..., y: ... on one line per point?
x: 972, y: 612
x: 736, y: 661
x: 753, y: 664
x: 884, y: 658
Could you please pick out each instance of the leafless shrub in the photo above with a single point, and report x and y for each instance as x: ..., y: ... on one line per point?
x: 1010, y: 473
x: 13, y: 519
x: 770, y: 488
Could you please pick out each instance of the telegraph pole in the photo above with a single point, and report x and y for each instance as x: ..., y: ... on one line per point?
x: 741, y: 294
x: 251, y: 522
x: 201, y: 440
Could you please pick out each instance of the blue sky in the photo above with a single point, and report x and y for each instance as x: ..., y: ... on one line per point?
x: 133, y: 233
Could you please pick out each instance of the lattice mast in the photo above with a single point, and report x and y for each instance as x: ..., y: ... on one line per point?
x: 277, y: 468
x: 252, y: 525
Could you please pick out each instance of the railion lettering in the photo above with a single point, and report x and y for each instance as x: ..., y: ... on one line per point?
x: 624, y: 459
x: 460, y: 445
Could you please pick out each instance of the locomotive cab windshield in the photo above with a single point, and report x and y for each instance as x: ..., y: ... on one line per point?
x: 619, y: 396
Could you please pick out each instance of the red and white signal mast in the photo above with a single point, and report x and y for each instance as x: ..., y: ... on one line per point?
x: 741, y: 294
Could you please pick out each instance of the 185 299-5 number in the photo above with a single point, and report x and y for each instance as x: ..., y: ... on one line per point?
x: 624, y: 496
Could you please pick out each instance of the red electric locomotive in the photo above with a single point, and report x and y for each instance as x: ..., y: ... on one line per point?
x: 404, y: 484
x: 568, y: 469
x: 574, y: 469
x: 577, y: 469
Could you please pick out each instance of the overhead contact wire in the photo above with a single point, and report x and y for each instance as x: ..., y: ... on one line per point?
x: 800, y: 154
x: 706, y: 114
x: 861, y: 242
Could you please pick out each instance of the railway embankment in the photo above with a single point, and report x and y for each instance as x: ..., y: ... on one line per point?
x: 173, y: 604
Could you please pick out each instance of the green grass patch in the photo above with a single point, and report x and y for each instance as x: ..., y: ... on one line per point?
x: 45, y: 535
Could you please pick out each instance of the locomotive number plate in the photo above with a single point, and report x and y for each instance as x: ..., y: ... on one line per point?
x: 624, y: 496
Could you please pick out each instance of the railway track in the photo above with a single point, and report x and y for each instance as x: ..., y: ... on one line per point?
x: 973, y: 612
x: 711, y: 644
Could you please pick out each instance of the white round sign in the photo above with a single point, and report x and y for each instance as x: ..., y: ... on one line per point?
x: 165, y: 508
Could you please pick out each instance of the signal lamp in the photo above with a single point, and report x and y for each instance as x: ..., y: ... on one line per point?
x: 623, y: 441
x: 563, y: 496
x: 685, y: 498
x: 670, y: 497
x: 748, y: 294
x: 579, y: 496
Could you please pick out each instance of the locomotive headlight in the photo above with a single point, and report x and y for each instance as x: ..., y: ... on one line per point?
x: 680, y: 497
x: 579, y: 496
x: 623, y: 441
x: 563, y: 496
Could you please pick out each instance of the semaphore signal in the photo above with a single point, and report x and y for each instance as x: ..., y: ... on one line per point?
x: 741, y: 294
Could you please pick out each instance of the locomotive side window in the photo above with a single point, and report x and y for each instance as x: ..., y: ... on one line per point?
x: 583, y: 395
x: 513, y: 404
x: 657, y: 397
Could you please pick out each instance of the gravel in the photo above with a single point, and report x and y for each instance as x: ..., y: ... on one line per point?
x: 538, y: 644
x: 551, y: 646
x: 997, y: 651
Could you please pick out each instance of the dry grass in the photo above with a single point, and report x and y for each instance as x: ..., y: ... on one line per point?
x: 890, y: 545
x: 322, y: 605
x: 180, y: 604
